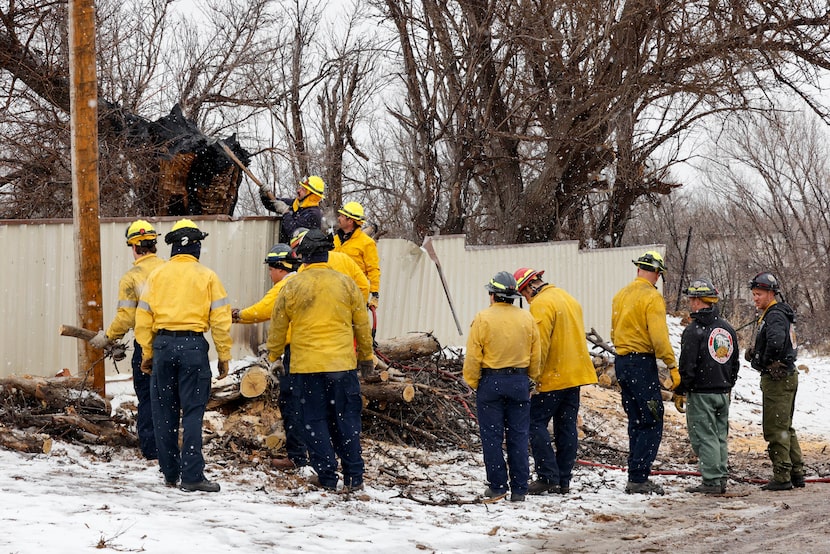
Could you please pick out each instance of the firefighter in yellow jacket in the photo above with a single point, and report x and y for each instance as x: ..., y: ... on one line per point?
x: 501, y: 360
x: 181, y: 301
x: 352, y: 241
x: 141, y: 238
x: 640, y: 335
x: 566, y: 366
x: 327, y: 314
x: 282, y: 265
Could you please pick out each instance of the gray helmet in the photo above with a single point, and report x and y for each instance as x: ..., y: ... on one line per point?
x: 281, y: 257
x: 503, y: 285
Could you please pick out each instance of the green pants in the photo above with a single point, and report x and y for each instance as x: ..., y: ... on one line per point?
x: 707, y: 419
x: 782, y: 443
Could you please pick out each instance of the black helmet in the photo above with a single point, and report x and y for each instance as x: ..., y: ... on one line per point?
x: 503, y: 285
x: 651, y: 261
x: 702, y: 288
x: 764, y: 281
x: 281, y: 257
x: 313, y: 242
x: 183, y: 233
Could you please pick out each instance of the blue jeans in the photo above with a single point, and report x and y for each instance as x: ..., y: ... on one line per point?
x: 562, y: 406
x: 180, y: 389
x: 330, y: 408
x: 144, y: 418
x: 503, y: 405
x: 289, y: 403
x: 643, y: 404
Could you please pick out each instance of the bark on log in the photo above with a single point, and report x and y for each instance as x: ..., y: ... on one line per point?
x: 33, y: 444
x: 231, y: 387
x: 77, y: 332
x: 57, y: 393
x: 388, y: 392
x: 414, y: 345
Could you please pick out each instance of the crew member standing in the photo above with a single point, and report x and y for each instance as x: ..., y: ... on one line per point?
x: 501, y: 362
x: 282, y: 265
x: 774, y: 355
x: 327, y: 315
x: 352, y: 241
x: 302, y: 211
x: 708, y: 370
x: 141, y: 238
x: 566, y: 366
x: 640, y: 335
x: 181, y: 301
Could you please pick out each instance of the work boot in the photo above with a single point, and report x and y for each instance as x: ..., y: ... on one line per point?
x: 490, y: 493
x: 723, y: 483
x: 707, y: 489
x: 516, y: 497
x: 798, y: 481
x: 204, y: 485
x: 646, y: 487
x: 564, y: 488
x: 282, y: 463
x: 774, y: 485
x: 540, y: 486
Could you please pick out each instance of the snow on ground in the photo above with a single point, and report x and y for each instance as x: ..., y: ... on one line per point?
x: 79, y: 499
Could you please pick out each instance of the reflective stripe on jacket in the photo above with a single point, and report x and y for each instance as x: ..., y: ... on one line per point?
x: 501, y: 336
x: 362, y: 249
x: 184, y: 295
x: 566, y: 362
x: 129, y: 291
x: 327, y: 313
x: 638, y: 322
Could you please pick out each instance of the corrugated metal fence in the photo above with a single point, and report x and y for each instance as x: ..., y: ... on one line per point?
x: 39, y: 290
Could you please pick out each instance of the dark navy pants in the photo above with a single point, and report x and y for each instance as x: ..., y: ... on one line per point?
x: 503, y: 405
x: 289, y: 403
x: 561, y: 406
x: 180, y: 388
x: 330, y: 407
x: 144, y: 419
x: 643, y: 404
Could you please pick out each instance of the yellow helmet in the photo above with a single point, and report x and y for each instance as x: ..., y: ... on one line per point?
x: 314, y: 185
x: 184, y: 231
x: 140, y: 231
x: 353, y: 210
x: 651, y: 261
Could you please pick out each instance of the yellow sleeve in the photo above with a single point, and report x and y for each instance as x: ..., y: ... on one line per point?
x: 540, y: 310
x: 473, y: 355
x: 261, y: 311
x: 144, y: 333
x: 362, y: 329
x: 535, y: 369
x: 658, y: 330
x: 220, y: 319
x: 125, y: 313
x: 278, y: 330
x: 372, y: 261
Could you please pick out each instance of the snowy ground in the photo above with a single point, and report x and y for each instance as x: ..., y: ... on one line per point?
x: 77, y: 499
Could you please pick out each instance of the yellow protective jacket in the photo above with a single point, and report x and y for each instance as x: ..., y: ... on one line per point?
x: 327, y: 314
x: 502, y: 336
x: 129, y: 291
x: 184, y: 295
x: 566, y: 362
x: 344, y: 264
x: 261, y: 311
x: 638, y: 322
x: 362, y: 249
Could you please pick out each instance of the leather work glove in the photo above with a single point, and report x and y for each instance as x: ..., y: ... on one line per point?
x: 277, y: 368
x: 271, y: 202
x: 235, y: 315
x: 373, y: 300
x: 778, y: 370
x: 366, y: 368
x: 223, y: 366
x: 680, y: 403
x: 675, y: 378
x: 147, y: 366
x: 749, y: 353
x: 100, y: 340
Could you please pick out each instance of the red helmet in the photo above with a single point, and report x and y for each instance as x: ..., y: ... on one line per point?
x: 524, y: 275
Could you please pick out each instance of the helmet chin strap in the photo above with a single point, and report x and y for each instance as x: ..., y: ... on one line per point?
x: 535, y: 290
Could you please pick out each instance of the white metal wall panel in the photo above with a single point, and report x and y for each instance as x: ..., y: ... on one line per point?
x: 38, y: 284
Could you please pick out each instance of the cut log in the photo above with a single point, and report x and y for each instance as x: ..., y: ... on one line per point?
x: 77, y: 332
x: 254, y: 382
x: 33, y: 444
x: 414, y: 345
x: 57, y: 393
x: 388, y: 392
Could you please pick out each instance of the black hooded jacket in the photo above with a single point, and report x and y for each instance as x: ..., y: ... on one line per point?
x: 708, y: 354
x: 775, y: 338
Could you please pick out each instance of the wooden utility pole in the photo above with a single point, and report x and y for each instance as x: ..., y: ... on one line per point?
x: 84, y: 128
